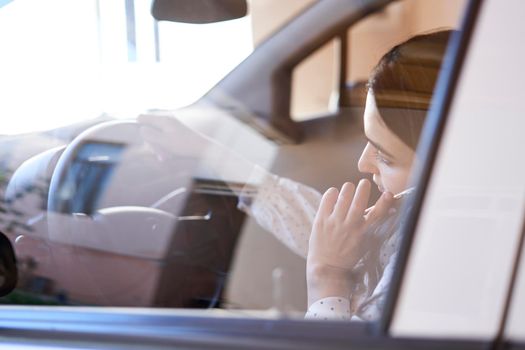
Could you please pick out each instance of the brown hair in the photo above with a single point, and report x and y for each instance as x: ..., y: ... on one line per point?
x: 403, y: 81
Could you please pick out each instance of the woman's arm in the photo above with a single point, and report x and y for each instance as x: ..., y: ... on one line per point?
x: 283, y: 207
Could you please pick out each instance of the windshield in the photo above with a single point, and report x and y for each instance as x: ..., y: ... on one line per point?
x: 63, y: 62
x: 280, y: 193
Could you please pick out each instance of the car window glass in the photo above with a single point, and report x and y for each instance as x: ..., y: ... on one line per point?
x: 65, y: 63
x: 314, y: 100
x: 315, y: 81
x: 192, y: 208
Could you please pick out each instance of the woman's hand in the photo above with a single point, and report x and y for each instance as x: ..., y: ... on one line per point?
x: 337, y: 236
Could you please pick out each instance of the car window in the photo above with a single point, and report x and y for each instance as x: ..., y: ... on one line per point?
x: 194, y: 208
x: 66, y: 63
x: 363, y: 45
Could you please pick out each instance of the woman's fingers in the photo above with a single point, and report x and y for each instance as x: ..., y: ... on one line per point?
x: 359, y: 202
x: 350, y: 204
x: 381, y: 207
x: 328, y: 202
x: 344, y: 200
x: 334, y: 240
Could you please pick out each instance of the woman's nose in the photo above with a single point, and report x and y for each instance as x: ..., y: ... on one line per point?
x: 366, y: 162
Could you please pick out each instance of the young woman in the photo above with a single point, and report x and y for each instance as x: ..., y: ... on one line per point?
x: 351, y: 250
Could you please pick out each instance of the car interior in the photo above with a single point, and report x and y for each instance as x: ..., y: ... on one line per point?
x: 171, y: 214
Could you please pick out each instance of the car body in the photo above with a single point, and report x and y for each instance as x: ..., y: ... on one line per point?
x: 150, y: 238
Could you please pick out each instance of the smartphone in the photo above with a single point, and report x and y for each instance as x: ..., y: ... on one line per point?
x: 404, y: 193
x: 396, y: 196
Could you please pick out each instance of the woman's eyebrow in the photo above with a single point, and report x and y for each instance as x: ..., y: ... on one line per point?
x: 379, y: 148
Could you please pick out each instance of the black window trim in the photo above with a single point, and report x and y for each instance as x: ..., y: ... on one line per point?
x: 126, y: 328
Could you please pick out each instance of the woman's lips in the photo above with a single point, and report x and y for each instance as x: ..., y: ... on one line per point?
x: 381, y: 189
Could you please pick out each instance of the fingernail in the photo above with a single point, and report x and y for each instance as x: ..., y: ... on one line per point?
x: 331, y: 189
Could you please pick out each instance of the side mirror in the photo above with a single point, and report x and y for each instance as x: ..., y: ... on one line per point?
x: 8, y: 270
x: 198, y: 11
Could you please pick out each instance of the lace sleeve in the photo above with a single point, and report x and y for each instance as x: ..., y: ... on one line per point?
x: 283, y: 207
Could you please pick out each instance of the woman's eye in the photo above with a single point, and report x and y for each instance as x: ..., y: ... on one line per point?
x: 380, y: 158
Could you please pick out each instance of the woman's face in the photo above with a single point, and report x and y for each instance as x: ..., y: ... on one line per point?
x: 385, y: 156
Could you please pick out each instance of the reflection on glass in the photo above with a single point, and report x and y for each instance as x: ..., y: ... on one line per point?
x: 350, y: 249
x: 88, y: 176
x: 152, y: 212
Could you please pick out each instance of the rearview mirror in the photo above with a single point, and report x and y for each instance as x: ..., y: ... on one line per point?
x: 8, y: 270
x: 198, y: 11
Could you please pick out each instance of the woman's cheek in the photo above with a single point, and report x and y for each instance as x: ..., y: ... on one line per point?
x: 393, y: 179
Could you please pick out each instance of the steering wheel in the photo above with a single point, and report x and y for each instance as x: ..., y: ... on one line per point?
x: 111, y: 191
